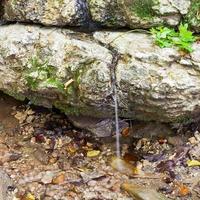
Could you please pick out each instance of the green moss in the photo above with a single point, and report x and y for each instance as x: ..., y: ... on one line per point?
x: 41, y: 74
x: 193, y: 16
x: 143, y: 9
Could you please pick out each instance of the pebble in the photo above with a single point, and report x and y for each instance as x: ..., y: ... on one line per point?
x: 48, y: 177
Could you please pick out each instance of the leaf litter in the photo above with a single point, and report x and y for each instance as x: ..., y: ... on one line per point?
x: 50, y: 159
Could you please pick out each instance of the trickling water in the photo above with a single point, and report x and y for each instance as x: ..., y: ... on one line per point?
x: 115, y: 96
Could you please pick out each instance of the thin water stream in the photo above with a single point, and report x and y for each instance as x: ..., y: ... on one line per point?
x: 115, y: 96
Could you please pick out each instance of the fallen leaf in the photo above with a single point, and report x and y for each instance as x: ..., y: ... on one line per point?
x: 72, y: 148
x: 59, y: 179
x: 193, y: 163
x: 183, y: 190
x: 93, y: 153
x: 29, y: 196
x: 126, y: 132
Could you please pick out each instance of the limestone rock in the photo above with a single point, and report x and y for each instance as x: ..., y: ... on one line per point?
x: 39, y: 63
x: 47, y: 12
x: 73, y: 72
x: 99, y: 127
x: 193, y: 16
x: 154, y: 83
x: 6, y: 185
x: 110, y: 13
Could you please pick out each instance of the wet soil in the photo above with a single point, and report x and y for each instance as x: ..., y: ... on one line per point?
x: 50, y: 159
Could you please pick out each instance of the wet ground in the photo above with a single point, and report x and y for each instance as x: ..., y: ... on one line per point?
x: 49, y: 159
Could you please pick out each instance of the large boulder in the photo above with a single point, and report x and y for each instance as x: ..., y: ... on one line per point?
x: 154, y: 83
x: 137, y: 13
x: 74, y: 72
x: 110, y: 13
x: 58, y: 68
x: 47, y: 12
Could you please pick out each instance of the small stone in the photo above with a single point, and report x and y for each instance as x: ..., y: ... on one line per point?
x: 30, y: 119
x: 48, y: 177
x: 142, y: 193
x: 92, y: 183
x: 197, y: 136
x: 41, y: 156
x: 192, y: 140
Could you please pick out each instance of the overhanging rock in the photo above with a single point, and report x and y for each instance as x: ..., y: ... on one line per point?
x: 72, y: 71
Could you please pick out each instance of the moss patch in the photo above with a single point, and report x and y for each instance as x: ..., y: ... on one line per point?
x: 143, y: 9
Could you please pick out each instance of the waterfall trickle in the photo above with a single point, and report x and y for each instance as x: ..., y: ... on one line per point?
x: 115, y: 96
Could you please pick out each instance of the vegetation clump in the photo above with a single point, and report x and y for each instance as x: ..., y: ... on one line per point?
x: 168, y: 37
x: 41, y: 74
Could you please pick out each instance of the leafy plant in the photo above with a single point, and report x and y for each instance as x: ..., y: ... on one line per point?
x: 167, y: 37
x: 42, y: 74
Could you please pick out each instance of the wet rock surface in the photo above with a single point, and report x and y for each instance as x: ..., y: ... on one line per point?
x: 58, y: 161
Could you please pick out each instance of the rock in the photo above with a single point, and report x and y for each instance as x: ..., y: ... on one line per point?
x: 41, y: 155
x: 110, y: 13
x: 99, y: 127
x: 176, y: 140
x: 48, y: 177
x: 193, y: 15
x: 5, y: 184
x: 142, y: 193
x: 195, y: 152
x: 153, y: 83
x: 150, y: 129
x: 60, y: 13
x: 62, y: 55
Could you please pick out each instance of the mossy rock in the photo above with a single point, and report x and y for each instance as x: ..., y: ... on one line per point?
x: 193, y: 16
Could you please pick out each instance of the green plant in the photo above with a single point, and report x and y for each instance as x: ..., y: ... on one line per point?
x: 41, y: 74
x: 167, y: 37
